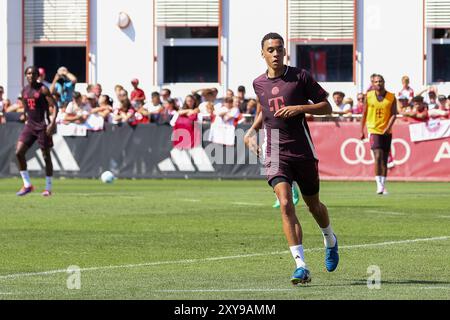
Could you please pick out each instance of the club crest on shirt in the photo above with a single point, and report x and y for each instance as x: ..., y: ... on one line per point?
x: 275, y: 91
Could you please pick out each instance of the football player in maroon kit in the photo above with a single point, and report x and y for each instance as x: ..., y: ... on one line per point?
x: 40, y: 126
x: 286, y: 94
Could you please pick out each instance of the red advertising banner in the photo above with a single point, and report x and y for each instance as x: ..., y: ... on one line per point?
x: 343, y: 156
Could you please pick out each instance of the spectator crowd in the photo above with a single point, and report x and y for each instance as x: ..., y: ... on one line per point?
x: 93, y: 107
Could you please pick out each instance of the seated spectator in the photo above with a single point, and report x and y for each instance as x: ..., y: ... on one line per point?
x: 169, y: 110
x: 189, y: 106
x: 403, y: 105
x: 125, y: 114
x: 406, y: 90
x: 439, y: 111
x: 104, y: 107
x: 251, y: 107
x: 229, y: 113
x: 64, y: 83
x: 242, y: 100
x: 419, y: 112
x: 209, y: 96
x: 15, y: 111
x: 358, y: 108
x: 153, y: 109
x: 348, y: 104
x: 76, y: 111
x: 137, y: 96
x: 339, y: 108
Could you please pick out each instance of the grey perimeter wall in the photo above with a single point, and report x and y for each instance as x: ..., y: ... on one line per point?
x: 144, y: 151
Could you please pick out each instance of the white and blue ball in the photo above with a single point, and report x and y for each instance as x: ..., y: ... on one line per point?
x: 107, y: 177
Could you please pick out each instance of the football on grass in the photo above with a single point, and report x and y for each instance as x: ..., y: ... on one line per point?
x: 107, y: 177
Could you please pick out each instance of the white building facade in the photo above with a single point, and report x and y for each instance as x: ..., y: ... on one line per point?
x: 186, y: 45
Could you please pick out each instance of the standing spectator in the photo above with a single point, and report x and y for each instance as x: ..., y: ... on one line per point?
x: 229, y: 94
x: 97, y: 90
x: 166, y: 94
x: 137, y: 95
x: 42, y: 77
x: 209, y: 97
x: 16, y: 111
x: 242, y: 100
x: 64, y: 83
x: 116, y: 103
x: 339, y: 107
x: 358, y: 108
x: 406, y: 90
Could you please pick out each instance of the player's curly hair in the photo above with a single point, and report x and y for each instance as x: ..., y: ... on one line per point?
x: 271, y: 35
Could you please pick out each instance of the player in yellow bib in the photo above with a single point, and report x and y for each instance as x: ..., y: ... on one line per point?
x: 379, y: 115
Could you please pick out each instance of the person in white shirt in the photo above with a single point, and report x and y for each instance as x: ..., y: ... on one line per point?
x: 339, y: 107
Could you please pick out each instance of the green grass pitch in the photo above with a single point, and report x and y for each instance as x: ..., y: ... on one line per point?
x: 211, y: 239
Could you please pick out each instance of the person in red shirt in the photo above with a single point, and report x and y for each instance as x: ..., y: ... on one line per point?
x: 137, y: 96
x: 419, y: 112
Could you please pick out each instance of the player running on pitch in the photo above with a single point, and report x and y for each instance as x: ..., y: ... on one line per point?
x: 36, y: 98
x: 284, y: 92
x: 379, y: 115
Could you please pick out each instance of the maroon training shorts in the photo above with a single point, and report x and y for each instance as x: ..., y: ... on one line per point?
x: 381, y: 141
x: 29, y: 135
x: 304, y: 172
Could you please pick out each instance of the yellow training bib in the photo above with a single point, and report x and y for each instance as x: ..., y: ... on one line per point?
x: 378, y: 112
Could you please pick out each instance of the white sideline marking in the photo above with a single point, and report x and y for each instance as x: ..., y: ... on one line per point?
x: 158, y: 263
x: 431, y: 288
x: 247, y: 204
x: 386, y: 212
x: 190, y: 200
x: 225, y: 290
x: 446, y: 217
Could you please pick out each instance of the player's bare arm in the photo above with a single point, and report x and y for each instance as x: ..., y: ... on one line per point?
x: 320, y: 108
x: 51, y: 129
x: 363, y: 121
x: 250, y: 139
x: 392, y: 118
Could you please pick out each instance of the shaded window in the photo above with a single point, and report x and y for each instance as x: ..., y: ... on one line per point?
x: 191, y: 32
x: 441, y: 62
x: 441, y: 33
x: 190, y: 64
x: 51, y: 58
x: 327, y: 63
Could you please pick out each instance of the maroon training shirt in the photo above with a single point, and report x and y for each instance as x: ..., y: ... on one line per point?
x: 295, y: 87
x: 36, y: 106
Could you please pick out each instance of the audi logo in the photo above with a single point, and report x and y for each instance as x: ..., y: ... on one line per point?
x: 360, y: 155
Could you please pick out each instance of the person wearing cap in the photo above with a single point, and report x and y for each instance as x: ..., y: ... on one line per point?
x: 440, y: 111
x: 41, y: 78
x: 137, y: 96
x: 403, y: 104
